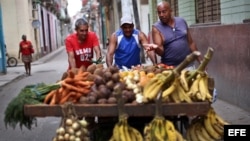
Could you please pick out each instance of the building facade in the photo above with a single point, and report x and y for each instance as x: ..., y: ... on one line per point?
x: 43, y: 21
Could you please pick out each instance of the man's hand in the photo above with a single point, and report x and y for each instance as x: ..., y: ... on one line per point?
x: 150, y: 47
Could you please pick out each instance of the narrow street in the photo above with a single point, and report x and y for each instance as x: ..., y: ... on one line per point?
x: 48, y: 73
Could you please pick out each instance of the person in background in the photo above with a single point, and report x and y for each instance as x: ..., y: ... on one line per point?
x: 172, y: 36
x: 82, y: 45
x: 25, y: 48
x: 124, y: 45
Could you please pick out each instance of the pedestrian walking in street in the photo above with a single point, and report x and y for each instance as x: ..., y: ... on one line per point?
x: 172, y: 36
x: 82, y: 45
x: 26, y: 50
x: 125, y: 43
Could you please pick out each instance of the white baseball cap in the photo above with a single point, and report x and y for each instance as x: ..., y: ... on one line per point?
x: 126, y: 20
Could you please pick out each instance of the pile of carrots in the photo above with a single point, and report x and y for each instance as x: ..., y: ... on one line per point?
x: 76, y: 84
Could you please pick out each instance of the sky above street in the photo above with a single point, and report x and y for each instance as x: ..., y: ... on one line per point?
x: 74, y: 6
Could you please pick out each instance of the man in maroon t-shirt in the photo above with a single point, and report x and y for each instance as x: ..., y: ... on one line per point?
x: 82, y: 45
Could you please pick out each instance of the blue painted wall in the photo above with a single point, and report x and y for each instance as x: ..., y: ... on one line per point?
x: 2, y: 46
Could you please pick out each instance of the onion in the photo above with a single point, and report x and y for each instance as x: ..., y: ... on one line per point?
x: 60, y: 138
x: 72, y: 138
x: 66, y: 136
x: 76, y: 126
x: 83, y: 122
x: 71, y: 131
x: 60, y: 131
x: 69, y: 122
x: 77, y: 139
x: 78, y: 133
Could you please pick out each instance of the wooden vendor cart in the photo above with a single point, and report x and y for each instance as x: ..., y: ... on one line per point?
x: 108, y: 114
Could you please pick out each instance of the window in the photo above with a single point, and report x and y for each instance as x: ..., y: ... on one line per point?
x: 174, y: 6
x: 207, y: 11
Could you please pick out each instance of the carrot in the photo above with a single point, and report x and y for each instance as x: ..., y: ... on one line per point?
x: 64, y: 92
x: 49, y: 97
x: 65, y: 98
x: 60, y: 90
x: 53, y: 99
x: 82, y: 76
x: 69, y: 80
x: 71, y: 74
x: 84, y: 83
x: 68, y: 86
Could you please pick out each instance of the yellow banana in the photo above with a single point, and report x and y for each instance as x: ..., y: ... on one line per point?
x: 116, y: 135
x: 135, y: 134
x: 220, y: 120
x: 203, y: 88
x: 188, y: 135
x: 170, y: 89
x: 193, y: 134
x: 219, y: 128
x: 183, y: 95
x: 149, y: 84
x: 155, y: 89
x: 158, y: 130
x: 194, y: 88
x: 123, y: 130
x: 170, y: 129
x: 204, y: 132
x: 179, y: 136
x: 175, y: 97
x: 183, y: 80
x: 198, y: 133
x: 209, y: 127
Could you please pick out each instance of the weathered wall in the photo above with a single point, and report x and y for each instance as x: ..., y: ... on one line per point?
x: 230, y: 64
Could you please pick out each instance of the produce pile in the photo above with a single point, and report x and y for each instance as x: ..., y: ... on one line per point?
x: 139, y: 85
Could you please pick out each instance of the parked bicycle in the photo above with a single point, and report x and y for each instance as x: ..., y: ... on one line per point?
x: 11, y: 61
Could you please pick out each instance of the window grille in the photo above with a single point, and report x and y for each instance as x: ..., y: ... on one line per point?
x: 207, y: 11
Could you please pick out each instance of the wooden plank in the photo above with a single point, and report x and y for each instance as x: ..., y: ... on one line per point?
x: 110, y: 110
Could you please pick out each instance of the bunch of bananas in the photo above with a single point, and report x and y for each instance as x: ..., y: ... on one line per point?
x: 153, y: 87
x: 207, y: 128
x: 124, y: 132
x: 181, y: 91
x: 199, y: 90
x: 160, y: 129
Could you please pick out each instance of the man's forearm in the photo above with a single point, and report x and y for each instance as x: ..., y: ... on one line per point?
x: 152, y: 57
x: 109, y: 61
